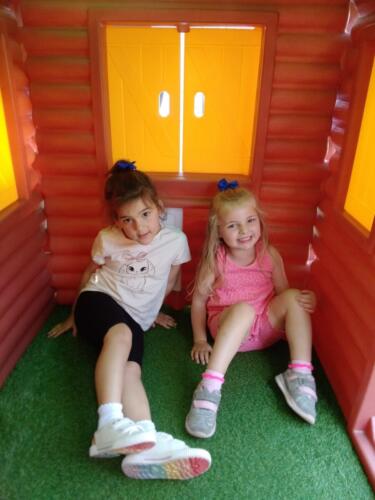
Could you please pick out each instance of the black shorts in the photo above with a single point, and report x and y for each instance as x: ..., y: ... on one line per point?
x: 96, y: 312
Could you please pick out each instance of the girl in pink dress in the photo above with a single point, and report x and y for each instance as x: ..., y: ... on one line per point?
x: 243, y: 296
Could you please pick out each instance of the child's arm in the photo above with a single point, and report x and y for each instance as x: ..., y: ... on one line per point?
x: 69, y: 324
x: 280, y: 281
x: 201, y: 350
x: 306, y: 298
x: 172, y: 279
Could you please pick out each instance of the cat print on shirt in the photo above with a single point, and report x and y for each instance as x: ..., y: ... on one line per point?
x: 135, y: 271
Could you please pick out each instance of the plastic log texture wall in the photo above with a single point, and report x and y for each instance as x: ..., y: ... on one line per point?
x: 343, y: 276
x: 25, y: 291
x: 308, y: 72
x: 309, y: 46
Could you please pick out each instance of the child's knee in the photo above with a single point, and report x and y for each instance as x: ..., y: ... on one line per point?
x: 291, y: 295
x: 245, y: 309
x: 119, y: 334
x: 243, y: 313
x: 133, y: 369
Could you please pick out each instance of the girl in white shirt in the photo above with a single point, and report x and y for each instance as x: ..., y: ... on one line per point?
x: 135, y: 264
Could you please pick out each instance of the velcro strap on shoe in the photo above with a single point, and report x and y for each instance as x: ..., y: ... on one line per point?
x: 309, y: 392
x: 206, y: 405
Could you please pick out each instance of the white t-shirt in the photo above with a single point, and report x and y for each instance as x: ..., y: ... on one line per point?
x: 134, y: 275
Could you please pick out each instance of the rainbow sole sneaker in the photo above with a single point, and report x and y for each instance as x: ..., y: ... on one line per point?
x: 94, y: 453
x: 169, y: 459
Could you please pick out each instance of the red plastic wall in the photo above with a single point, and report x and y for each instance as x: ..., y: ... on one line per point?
x: 309, y: 73
x: 25, y: 291
x: 344, y: 273
x: 309, y: 43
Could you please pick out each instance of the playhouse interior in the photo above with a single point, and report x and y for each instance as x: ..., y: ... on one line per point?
x: 277, y: 94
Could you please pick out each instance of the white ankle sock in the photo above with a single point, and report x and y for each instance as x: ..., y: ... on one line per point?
x: 109, y: 412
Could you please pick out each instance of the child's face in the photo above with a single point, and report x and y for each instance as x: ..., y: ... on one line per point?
x: 139, y: 220
x: 239, y: 227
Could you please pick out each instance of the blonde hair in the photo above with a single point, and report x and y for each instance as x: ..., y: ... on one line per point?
x: 207, y: 275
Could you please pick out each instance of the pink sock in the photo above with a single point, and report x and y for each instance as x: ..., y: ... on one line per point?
x: 300, y: 366
x: 212, y: 380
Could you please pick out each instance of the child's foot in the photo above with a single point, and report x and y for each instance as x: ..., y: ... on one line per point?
x: 300, y: 393
x: 201, y: 419
x: 169, y: 459
x: 121, y: 436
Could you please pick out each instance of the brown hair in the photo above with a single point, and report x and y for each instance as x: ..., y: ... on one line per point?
x: 124, y: 183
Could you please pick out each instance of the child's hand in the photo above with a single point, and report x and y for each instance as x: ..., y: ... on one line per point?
x: 63, y: 327
x: 201, y: 352
x: 307, y: 300
x: 165, y: 320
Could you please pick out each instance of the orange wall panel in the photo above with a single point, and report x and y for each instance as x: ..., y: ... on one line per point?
x: 78, y: 118
x: 48, y: 94
x: 55, y: 41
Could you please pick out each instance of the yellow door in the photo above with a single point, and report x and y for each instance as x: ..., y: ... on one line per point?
x: 222, y: 68
x: 223, y: 65
x: 142, y: 63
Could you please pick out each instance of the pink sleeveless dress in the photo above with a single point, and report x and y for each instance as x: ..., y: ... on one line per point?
x: 252, y: 284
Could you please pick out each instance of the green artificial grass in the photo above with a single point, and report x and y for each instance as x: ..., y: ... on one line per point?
x: 261, y: 450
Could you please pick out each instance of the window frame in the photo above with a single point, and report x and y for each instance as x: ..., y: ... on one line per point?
x: 99, y: 18
x: 15, y: 137
x: 364, y: 42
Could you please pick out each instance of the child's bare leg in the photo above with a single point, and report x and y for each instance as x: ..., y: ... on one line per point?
x: 115, y: 433
x: 284, y: 309
x: 235, y: 323
x: 297, y: 383
x: 110, y: 367
x: 134, y: 398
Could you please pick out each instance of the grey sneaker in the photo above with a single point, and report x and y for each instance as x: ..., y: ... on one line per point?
x: 201, y: 419
x: 300, y: 393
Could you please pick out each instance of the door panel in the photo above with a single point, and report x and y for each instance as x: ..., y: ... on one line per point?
x: 143, y: 62
x: 224, y: 65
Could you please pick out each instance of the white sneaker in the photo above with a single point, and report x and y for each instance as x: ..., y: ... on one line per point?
x: 120, y: 437
x: 169, y: 459
x: 94, y: 453
x: 146, y: 425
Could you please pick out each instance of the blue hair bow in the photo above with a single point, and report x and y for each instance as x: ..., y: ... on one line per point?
x: 223, y: 185
x: 126, y: 165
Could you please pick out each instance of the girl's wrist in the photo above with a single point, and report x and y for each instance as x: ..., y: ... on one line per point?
x: 200, y: 341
